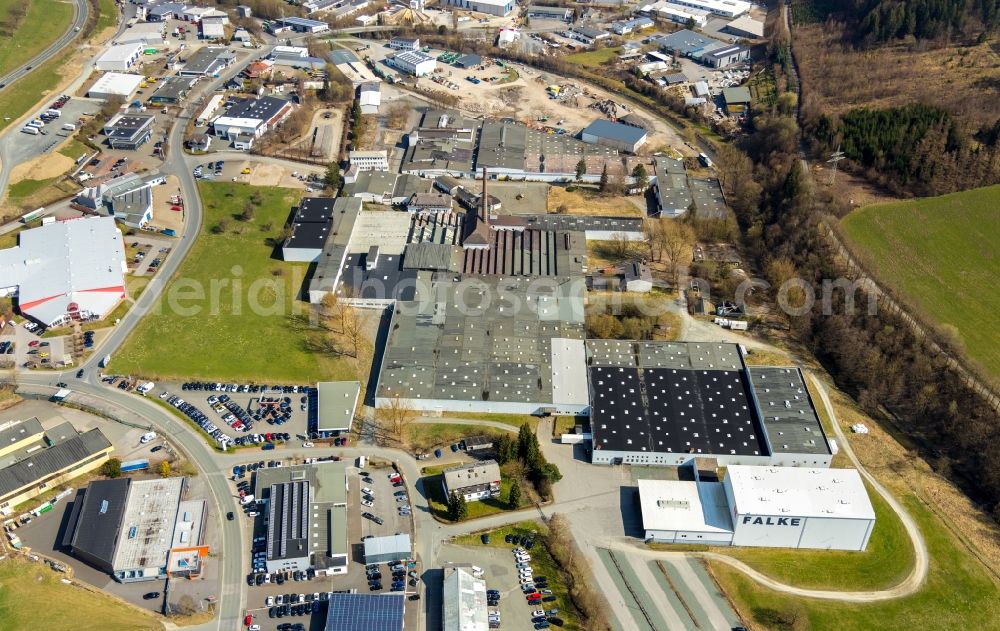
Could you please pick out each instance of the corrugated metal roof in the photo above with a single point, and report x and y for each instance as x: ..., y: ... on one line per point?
x: 48, y: 461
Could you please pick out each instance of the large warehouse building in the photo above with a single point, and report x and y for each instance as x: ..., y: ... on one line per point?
x: 774, y: 507
x: 66, y: 270
x: 138, y: 530
x: 306, y: 508
x: 666, y: 403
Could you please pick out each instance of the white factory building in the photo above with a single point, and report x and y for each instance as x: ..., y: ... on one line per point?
x: 114, y: 84
x: 370, y: 96
x: 725, y: 8
x: 413, y: 63
x: 489, y: 7
x: 66, y: 270
x: 119, y: 58
x: 770, y: 507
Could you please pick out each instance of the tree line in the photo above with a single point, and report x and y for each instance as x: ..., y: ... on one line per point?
x: 915, y: 149
x: 878, y: 21
x: 526, y: 451
x: 877, y: 358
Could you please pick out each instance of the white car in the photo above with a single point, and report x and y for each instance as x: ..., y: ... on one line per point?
x: 279, y: 599
x: 537, y: 612
x: 368, y: 491
x: 253, y: 627
x: 367, y: 503
x: 307, y: 444
x: 269, y: 601
x: 526, y: 580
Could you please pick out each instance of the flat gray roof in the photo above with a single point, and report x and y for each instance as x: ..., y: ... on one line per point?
x: 337, y: 401
x: 681, y: 355
x: 45, y: 462
x: 440, y: 350
x: 147, y: 525
x: 787, y: 411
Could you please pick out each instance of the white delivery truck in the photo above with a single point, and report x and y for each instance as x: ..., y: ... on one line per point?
x: 69, y: 127
x: 145, y: 388
x: 106, y: 361
x: 30, y: 130
x: 148, y: 436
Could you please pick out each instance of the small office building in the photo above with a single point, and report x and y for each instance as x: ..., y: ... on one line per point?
x: 129, y: 131
x: 476, y: 481
x: 404, y: 43
x: 336, y: 402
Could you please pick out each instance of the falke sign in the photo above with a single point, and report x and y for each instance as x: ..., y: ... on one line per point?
x: 772, y: 521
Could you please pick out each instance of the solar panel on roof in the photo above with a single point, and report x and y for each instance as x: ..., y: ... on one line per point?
x: 372, y: 612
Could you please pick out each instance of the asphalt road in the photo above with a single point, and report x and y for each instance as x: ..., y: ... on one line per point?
x: 81, y: 10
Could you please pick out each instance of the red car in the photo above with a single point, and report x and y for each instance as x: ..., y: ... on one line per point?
x: 33, y: 343
x: 248, y: 620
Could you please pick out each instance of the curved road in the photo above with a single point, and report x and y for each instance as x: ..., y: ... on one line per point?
x: 81, y: 9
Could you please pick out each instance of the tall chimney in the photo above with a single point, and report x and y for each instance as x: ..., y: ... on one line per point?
x: 486, y: 200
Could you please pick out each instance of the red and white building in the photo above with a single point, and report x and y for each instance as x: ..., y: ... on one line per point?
x: 66, y: 270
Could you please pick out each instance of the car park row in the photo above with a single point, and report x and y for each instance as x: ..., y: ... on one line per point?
x: 535, y: 588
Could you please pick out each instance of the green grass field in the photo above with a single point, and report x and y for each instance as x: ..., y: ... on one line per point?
x: 232, y: 311
x: 108, y: 16
x: 594, y: 58
x: 958, y: 594
x: 44, y: 22
x: 32, y: 597
x: 940, y: 253
x: 25, y: 93
x: 887, y: 560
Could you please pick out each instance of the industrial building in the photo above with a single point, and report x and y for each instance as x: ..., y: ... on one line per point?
x: 128, y: 198
x: 614, y: 135
x: 248, y: 119
x: 336, y: 402
x: 725, y: 8
x: 368, y: 160
x: 371, y: 612
x: 474, y: 481
x: 34, y: 461
x: 666, y: 403
x: 370, y: 97
x: 676, y: 13
x: 758, y: 506
x: 207, y: 62
x: 66, y: 270
x: 132, y: 528
x: 549, y: 13
x: 115, y: 84
x: 302, y: 25
x: 172, y: 90
x: 701, y: 48
x: 489, y: 7
x: 415, y: 63
x: 119, y: 58
x: 311, y: 226
x: 306, y: 508
x: 129, y: 131
x: 147, y: 34
x: 388, y: 549
x: 673, y: 197
x: 462, y: 352
x: 464, y: 601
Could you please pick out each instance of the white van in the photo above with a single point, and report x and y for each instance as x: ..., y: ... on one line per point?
x: 69, y: 127
x: 36, y: 123
x: 246, y: 500
x: 30, y: 130
x: 145, y: 388
x: 147, y: 437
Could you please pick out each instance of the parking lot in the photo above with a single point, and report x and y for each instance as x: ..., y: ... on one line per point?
x: 501, y: 574
x: 263, y: 600
x: 51, y: 134
x: 244, y: 414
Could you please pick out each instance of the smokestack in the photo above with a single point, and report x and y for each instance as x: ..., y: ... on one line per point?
x: 486, y: 200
